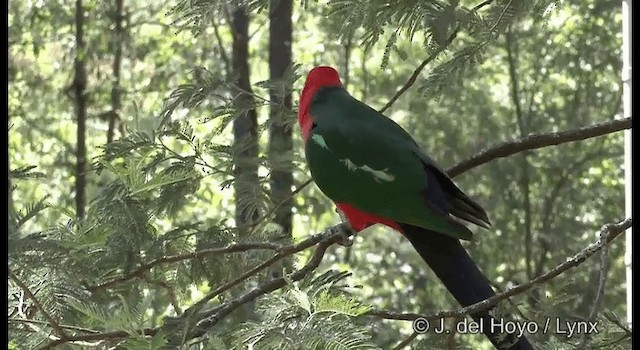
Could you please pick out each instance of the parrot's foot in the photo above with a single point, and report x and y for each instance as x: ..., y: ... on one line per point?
x: 346, y: 233
x: 345, y: 230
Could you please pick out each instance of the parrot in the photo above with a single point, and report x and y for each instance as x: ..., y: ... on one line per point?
x: 375, y: 173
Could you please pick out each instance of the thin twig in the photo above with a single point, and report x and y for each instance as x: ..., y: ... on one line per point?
x: 282, y: 253
x: 221, y: 47
x: 417, y: 71
x: 268, y: 287
x: 142, y: 269
x: 230, y: 284
x: 198, y: 157
x: 171, y: 293
x: 281, y: 203
x: 97, y: 337
x: 602, y: 282
x: 482, y: 4
x: 253, y: 94
x: 406, y: 341
x: 495, y: 25
x: 63, y: 326
x: 610, y: 232
x: 429, y: 59
x: 52, y: 322
x: 450, y: 340
x: 624, y: 327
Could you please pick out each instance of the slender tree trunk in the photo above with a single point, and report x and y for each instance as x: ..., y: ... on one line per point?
x: 348, y: 45
x: 523, y: 129
x: 79, y: 86
x: 116, y: 91
x: 9, y: 191
x: 523, y: 121
x: 280, y: 135
x: 245, y: 133
x: 365, y: 72
x: 245, y: 127
x: 626, y: 98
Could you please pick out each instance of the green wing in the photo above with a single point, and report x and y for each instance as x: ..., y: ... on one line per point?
x: 358, y: 156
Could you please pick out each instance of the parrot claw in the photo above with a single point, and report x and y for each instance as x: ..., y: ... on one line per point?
x: 346, y: 233
x: 345, y: 230
x: 347, y: 240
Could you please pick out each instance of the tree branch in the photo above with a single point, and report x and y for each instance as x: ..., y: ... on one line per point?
x: 171, y: 293
x: 530, y: 142
x: 223, y: 52
x: 63, y: 326
x: 406, y: 341
x: 550, y: 200
x: 623, y: 327
x: 98, y: 337
x: 497, y: 22
x: 332, y: 234
x: 417, y: 71
x: 281, y: 203
x: 335, y: 235
x: 608, y: 233
x: 52, y: 322
x: 143, y: 269
x: 324, y: 240
x: 539, y: 141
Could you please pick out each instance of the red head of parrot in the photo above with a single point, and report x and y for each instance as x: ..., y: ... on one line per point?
x: 319, y: 77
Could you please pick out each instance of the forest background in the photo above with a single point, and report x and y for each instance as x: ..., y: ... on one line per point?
x: 159, y: 197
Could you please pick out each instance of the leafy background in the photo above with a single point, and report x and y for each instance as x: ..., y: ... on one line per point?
x: 175, y: 166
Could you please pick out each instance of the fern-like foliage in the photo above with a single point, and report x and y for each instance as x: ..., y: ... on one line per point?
x: 196, y: 13
x: 437, y: 22
x: 205, y: 85
x: 25, y: 173
x: 317, y: 313
x: 122, y: 316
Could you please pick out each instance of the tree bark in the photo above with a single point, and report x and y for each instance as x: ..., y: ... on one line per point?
x: 79, y: 87
x: 628, y: 190
x: 116, y: 91
x: 245, y: 126
x: 280, y: 135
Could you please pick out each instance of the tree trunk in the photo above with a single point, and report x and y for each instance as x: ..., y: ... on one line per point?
x: 245, y: 126
x: 79, y: 87
x: 280, y: 137
x: 116, y: 92
x: 626, y: 97
x: 523, y: 121
x: 9, y: 191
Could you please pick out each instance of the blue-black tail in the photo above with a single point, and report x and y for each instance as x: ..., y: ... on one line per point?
x: 457, y: 271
